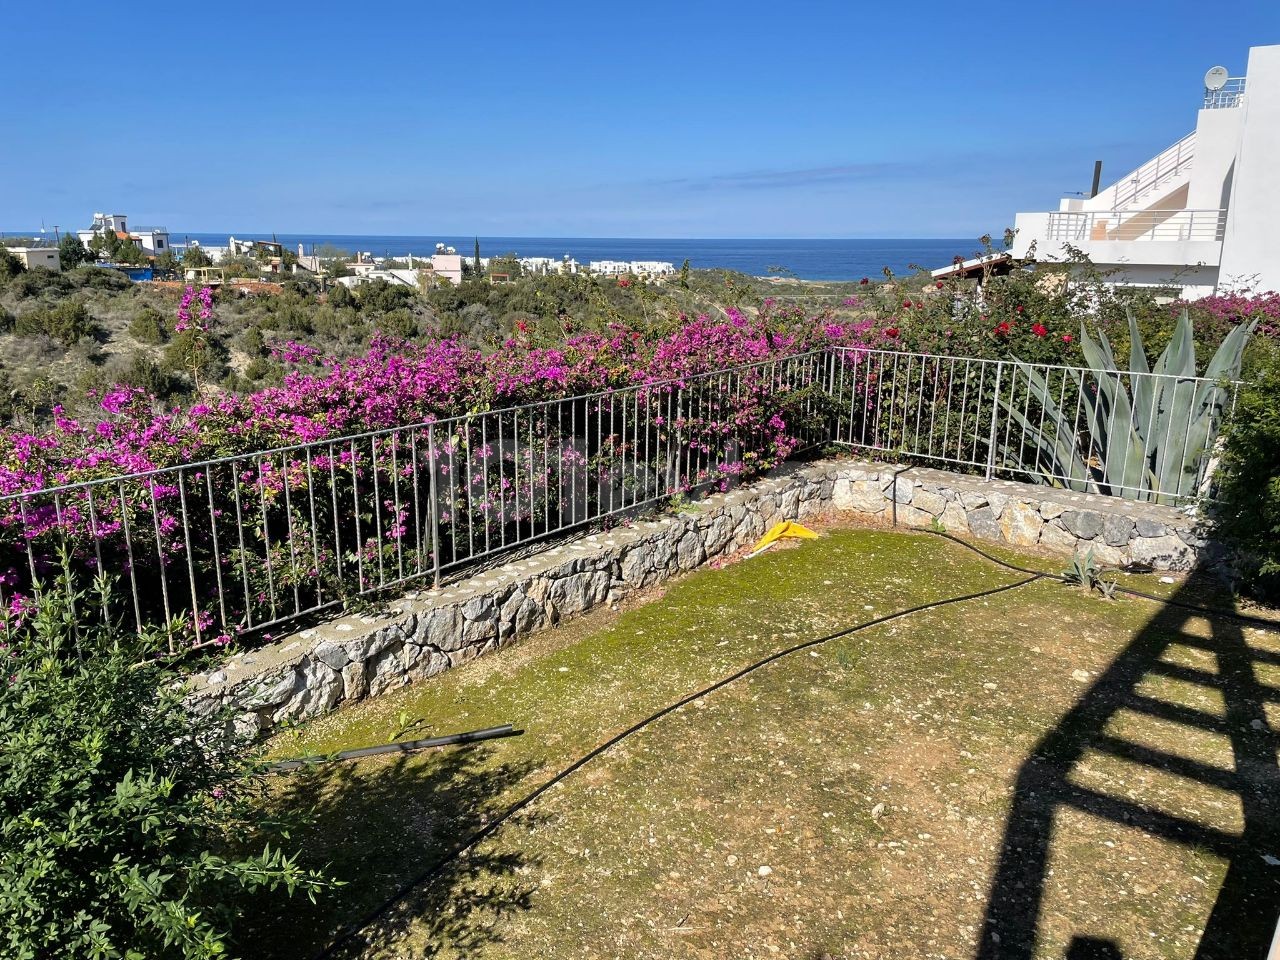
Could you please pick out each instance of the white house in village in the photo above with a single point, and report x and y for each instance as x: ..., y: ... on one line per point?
x: 150, y: 240
x: 645, y: 268
x: 1199, y: 217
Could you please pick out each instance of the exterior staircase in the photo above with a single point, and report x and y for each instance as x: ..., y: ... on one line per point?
x: 1152, y: 182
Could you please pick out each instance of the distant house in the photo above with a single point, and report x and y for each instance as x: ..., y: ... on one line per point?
x: 1196, y: 218
x: 642, y: 268
x: 446, y: 266
x: 38, y: 257
x: 152, y: 241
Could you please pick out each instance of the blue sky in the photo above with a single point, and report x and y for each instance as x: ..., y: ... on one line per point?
x: 690, y: 119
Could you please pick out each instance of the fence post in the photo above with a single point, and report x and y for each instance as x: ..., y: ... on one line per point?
x: 433, y: 493
x: 995, y: 417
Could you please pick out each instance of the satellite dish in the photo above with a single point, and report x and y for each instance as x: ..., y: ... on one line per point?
x: 1216, y: 78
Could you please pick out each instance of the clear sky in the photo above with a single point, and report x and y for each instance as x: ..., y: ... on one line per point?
x: 655, y: 119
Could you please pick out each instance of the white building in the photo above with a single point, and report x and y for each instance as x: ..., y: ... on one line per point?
x: 150, y: 240
x: 46, y: 257
x: 1199, y: 216
x: 642, y: 268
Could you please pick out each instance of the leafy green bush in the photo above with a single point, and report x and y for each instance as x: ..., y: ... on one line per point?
x: 68, y: 322
x: 10, y: 266
x: 116, y: 802
x: 1248, y: 514
x: 149, y: 326
x: 99, y: 278
x: 38, y: 281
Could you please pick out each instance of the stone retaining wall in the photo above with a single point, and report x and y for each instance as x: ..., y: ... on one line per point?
x: 1118, y: 531
x: 425, y: 633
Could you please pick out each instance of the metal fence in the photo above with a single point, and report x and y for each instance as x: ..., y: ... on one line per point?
x: 244, y: 543
x: 247, y: 542
x: 1142, y: 436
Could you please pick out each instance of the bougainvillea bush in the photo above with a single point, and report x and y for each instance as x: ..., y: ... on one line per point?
x: 410, y: 458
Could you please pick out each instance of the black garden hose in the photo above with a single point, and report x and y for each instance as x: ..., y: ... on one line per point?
x: 400, y: 746
x: 1260, y: 622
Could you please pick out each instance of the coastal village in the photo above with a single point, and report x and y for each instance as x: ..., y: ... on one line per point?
x: 151, y: 255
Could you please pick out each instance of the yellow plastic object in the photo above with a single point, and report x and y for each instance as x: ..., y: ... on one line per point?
x: 787, y: 528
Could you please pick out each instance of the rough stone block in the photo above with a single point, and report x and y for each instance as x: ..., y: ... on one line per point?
x: 932, y: 503
x: 1085, y: 524
x: 1117, y: 531
x: 1020, y: 523
x: 983, y: 523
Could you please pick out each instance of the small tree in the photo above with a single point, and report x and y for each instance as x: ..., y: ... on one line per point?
x: 71, y: 252
x: 10, y: 266
x: 194, y: 257
x: 115, y: 799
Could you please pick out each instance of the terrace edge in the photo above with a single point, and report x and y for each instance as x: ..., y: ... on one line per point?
x: 312, y: 672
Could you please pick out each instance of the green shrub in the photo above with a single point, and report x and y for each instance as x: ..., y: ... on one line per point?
x: 149, y: 326
x: 150, y: 377
x: 115, y: 800
x: 398, y: 323
x: 99, y: 278
x: 251, y: 342
x: 68, y: 322
x: 37, y: 281
x: 10, y: 266
x: 1248, y: 514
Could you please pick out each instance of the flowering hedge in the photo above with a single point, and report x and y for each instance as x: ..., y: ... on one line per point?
x: 653, y: 415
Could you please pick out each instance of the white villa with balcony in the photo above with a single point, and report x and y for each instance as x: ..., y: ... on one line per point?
x: 1200, y: 217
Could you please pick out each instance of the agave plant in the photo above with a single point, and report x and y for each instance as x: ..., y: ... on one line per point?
x: 1145, y: 433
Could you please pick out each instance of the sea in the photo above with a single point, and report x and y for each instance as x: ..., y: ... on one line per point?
x: 804, y: 259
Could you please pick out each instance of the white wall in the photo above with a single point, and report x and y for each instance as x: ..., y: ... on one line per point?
x: 38, y: 257
x: 1217, y: 141
x: 1251, y: 248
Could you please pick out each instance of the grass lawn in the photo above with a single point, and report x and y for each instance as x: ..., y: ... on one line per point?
x: 1037, y: 773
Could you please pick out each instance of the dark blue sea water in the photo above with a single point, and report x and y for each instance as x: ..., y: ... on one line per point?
x: 807, y: 259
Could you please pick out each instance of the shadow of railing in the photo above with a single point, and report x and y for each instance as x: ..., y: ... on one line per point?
x: 378, y: 826
x: 1243, y: 918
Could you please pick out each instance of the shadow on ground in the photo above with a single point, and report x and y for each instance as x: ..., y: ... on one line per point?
x: 380, y: 825
x: 1243, y: 917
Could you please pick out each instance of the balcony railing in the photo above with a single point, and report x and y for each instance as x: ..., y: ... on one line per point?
x: 1137, y: 225
x: 1175, y: 160
x: 1230, y: 95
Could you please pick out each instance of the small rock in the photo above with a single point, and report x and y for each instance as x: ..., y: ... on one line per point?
x: 219, y: 676
x: 731, y: 860
x: 988, y: 686
x: 764, y: 871
x: 877, y: 811
x: 1270, y: 861
x: 1080, y: 676
x: 1255, y: 724
x: 1167, y: 580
